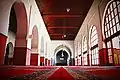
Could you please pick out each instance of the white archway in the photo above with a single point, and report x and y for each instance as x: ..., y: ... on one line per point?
x: 63, y: 48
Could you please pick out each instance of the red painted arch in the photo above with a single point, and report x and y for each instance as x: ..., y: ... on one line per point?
x: 21, y: 52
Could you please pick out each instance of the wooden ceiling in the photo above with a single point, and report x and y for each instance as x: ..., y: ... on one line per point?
x: 63, y: 25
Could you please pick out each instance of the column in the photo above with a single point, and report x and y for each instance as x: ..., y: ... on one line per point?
x: 3, y: 39
x: 21, y: 52
x: 46, y: 62
x: 41, y: 60
x: 34, y: 59
x: 103, y: 60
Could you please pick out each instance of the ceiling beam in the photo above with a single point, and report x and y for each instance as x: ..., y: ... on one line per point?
x: 62, y: 34
x: 49, y: 27
x: 62, y: 15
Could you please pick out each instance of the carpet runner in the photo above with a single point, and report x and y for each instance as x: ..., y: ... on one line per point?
x: 60, y: 74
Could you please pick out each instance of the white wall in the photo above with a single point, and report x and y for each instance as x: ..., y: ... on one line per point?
x: 56, y: 43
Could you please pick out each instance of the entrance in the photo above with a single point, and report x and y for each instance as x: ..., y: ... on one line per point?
x: 61, y: 58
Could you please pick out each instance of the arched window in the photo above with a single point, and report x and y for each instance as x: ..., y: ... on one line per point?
x: 84, y: 52
x: 94, y: 46
x: 42, y: 44
x: 76, y: 53
x: 79, y: 54
x: 112, y: 31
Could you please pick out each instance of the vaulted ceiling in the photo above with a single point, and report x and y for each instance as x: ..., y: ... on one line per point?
x: 63, y: 18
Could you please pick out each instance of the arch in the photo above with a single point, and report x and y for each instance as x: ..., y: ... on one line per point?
x: 79, y: 54
x: 63, y: 48
x: 21, y: 16
x: 46, y: 49
x: 42, y: 44
x: 12, y: 30
x: 42, y: 54
x: 105, y: 12
x: 34, y: 46
x: 111, y: 31
x: 12, y: 21
x: 21, y: 50
x: 93, y: 44
x: 9, y: 52
x: 35, y: 38
x: 46, y: 55
x: 84, y: 51
x: 62, y: 59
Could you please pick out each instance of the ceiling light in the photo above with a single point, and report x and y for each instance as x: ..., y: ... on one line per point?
x: 64, y: 35
x: 68, y: 10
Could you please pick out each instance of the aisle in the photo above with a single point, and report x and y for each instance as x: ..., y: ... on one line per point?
x: 61, y: 74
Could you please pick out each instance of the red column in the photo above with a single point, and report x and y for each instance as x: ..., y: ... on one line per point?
x: 3, y: 39
x: 10, y: 61
x: 21, y: 56
x: 88, y: 59
x: 103, y: 56
x: 34, y: 59
x: 46, y: 61
x: 77, y: 60
x: 41, y: 61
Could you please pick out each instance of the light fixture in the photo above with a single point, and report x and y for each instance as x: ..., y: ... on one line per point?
x: 62, y: 51
x: 64, y: 35
x: 68, y: 10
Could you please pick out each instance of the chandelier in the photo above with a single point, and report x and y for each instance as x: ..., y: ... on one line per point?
x: 64, y: 35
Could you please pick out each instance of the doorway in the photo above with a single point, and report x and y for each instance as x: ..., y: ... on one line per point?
x: 61, y: 58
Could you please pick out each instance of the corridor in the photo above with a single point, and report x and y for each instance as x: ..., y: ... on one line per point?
x: 59, y: 39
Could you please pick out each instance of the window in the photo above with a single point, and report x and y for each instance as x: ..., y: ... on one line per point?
x: 112, y: 30
x: 76, y: 53
x: 79, y: 53
x: 112, y: 19
x: 94, y: 46
x: 79, y: 60
x: 84, y: 54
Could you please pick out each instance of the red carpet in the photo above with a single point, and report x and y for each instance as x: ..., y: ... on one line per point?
x: 61, y: 74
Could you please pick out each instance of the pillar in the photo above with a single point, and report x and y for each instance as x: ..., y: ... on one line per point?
x: 46, y: 62
x: 41, y: 61
x: 103, y: 60
x: 3, y: 39
x: 21, y: 56
x: 34, y: 59
x: 10, y: 61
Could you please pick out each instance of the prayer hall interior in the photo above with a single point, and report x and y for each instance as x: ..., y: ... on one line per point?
x: 59, y: 39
